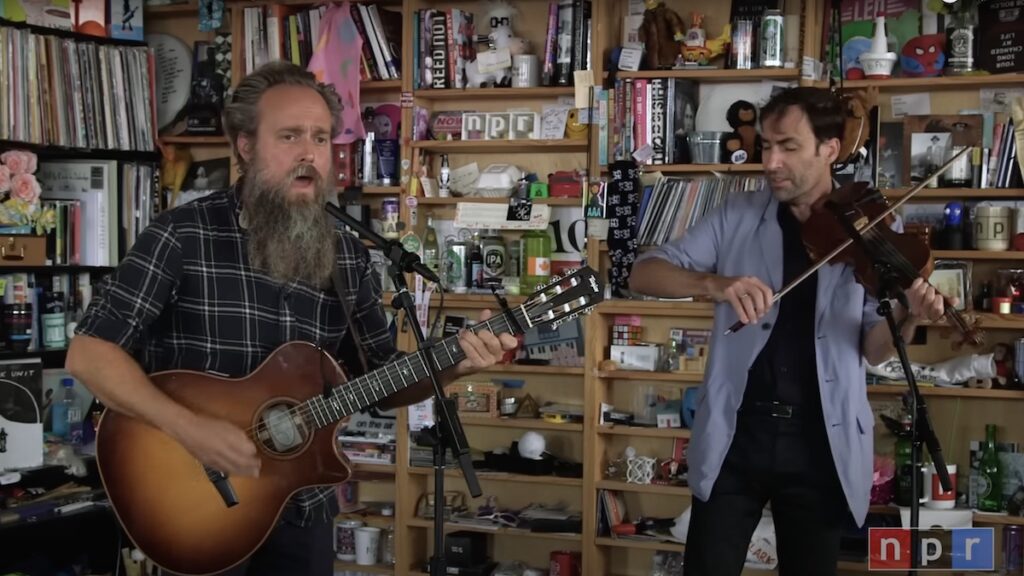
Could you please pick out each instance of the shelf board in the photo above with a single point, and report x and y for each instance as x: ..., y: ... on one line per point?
x: 978, y: 255
x: 452, y: 201
x: 502, y: 477
x: 182, y: 9
x: 380, y: 85
x: 644, y: 488
x: 472, y: 300
x: 938, y: 391
x: 656, y: 308
x: 371, y: 472
x: 65, y: 152
x: 936, y: 83
x: 50, y: 358
x: 77, y: 36
x: 993, y: 321
x: 643, y: 431
x: 476, y: 94
x: 940, y: 193
x: 196, y: 140
x: 340, y: 566
x: 60, y: 269
x: 501, y: 146
x: 381, y: 190
x: 503, y: 531
x: 639, y: 544
x: 988, y: 519
x: 538, y: 370
x: 698, y: 168
x: 524, y: 423
x: 718, y: 75
x: 653, y: 376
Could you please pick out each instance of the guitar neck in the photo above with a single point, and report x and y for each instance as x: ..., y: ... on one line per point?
x: 374, y: 386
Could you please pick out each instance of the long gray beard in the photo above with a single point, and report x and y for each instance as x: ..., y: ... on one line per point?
x: 289, y: 240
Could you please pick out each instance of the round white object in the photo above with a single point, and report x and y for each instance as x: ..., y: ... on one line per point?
x: 531, y: 446
x: 173, y: 70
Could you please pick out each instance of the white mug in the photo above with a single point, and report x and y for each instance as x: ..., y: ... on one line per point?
x: 932, y: 494
x: 525, y: 71
x: 992, y: 227
x: 367, y: 544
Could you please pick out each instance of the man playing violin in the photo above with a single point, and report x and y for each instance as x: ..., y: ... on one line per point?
x: 783, y: 415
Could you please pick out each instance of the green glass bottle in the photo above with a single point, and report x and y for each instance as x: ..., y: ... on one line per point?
x: 990, y: 474
x: 536, y: 260
x: 431, y: 251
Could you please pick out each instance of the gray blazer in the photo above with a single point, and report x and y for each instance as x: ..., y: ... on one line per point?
x: 742, y: 237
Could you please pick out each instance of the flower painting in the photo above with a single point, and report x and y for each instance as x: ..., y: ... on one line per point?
x: 20, y: 210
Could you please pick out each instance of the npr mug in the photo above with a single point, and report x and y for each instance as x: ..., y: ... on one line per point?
x: 992, y: 227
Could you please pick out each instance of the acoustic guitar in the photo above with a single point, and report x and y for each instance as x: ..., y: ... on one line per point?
x: 190, y: 519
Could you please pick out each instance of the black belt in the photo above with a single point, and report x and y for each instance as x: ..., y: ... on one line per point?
x: 773, y: 409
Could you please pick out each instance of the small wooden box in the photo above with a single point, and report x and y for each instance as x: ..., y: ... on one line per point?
x: 478, y: 399
x: 22, y: 250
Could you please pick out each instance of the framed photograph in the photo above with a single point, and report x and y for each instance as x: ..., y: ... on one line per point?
x: 474, y: 126
x: 931, y: 138
x: 952, y: 278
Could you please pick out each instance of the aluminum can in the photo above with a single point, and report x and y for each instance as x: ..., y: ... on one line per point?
x: 1013, y: 549
x: 389, y: 217
x: 456, y: 256
x: 772, y: 42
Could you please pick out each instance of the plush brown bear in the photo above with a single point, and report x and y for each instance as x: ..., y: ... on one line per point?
x: 742, y: 116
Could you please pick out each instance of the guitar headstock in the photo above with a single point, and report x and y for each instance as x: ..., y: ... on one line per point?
x: 564, y: 298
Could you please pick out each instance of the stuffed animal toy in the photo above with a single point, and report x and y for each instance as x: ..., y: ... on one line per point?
x: 499, y: 15
x: 742, y: 116
x: 661, y: 32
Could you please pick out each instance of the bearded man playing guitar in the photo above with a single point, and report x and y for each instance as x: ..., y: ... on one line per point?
x: 216, y: 285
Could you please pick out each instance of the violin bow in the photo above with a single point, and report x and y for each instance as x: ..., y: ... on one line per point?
x: 846, y: 243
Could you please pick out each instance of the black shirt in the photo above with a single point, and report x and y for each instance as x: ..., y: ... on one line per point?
x: 785, y: 370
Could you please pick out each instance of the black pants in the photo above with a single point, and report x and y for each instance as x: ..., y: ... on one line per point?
x: 293, y: 550
x: 783, y: 461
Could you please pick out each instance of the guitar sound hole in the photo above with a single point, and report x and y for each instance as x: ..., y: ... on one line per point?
x: 281, y: 429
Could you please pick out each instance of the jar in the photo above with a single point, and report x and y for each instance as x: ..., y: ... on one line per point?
x: 345, y: 539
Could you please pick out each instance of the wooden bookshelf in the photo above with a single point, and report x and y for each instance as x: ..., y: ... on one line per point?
x: 196, y: 140
x: 944, y: 193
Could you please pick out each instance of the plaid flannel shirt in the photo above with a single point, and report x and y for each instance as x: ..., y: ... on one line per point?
x: 186, y: 298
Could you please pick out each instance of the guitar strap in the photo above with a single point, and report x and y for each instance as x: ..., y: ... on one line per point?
x: 338, y: 279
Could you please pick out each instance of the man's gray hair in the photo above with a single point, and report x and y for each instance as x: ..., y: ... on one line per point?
x: 241, y: 114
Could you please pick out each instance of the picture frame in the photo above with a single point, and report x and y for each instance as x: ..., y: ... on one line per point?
x: 953, y: 130
x: 474, y: 126
x: 952, y: 278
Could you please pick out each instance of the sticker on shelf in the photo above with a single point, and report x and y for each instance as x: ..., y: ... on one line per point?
x: 406, y: 100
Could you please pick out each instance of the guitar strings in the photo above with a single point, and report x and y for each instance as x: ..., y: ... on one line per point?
x: 305, y: 409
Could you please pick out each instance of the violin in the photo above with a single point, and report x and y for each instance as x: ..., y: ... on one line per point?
x: 843, y: 227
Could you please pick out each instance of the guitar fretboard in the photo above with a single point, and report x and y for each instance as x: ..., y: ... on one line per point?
x: 367, y: 390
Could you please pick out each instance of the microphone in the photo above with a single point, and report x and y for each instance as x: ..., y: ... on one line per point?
x: 405, y: 261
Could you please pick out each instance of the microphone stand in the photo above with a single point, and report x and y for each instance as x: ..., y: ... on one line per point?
x: 921, y: 430
x: 447, y: 430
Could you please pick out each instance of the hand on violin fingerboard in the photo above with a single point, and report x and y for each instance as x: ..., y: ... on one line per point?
x: 750, y: 297
x: 925, y: 302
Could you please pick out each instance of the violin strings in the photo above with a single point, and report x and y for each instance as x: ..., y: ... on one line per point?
x: 904, y: 266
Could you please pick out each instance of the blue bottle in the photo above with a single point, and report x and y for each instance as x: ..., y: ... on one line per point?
x: 64, y: 411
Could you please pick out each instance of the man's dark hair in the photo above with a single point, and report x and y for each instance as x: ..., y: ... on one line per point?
x: 823, y: 110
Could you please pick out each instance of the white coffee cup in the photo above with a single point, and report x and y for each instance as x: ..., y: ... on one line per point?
x: 992, y: 227
x: 933, y: 496
x: 367, y: 545
x: 525, y: 71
